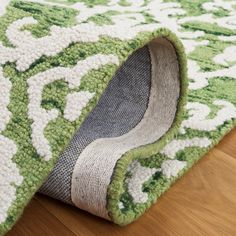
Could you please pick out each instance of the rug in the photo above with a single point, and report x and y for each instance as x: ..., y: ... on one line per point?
x: 97, y: 108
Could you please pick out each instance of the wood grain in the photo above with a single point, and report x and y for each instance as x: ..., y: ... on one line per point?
x: 37, y: 221
x: 228, y: 144
x: 203, y: 202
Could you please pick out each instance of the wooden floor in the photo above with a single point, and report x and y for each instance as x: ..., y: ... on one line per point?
x: 202, y: 203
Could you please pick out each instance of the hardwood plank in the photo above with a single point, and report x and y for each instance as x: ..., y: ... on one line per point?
x: 80, y: 222
x: 228, y: 144
x: 37, y: 221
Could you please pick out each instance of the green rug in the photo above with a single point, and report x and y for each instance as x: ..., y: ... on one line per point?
x: 96, y: 105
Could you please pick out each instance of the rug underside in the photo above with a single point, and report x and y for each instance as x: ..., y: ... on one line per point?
x: 120, y: 109
x: 94, y: 109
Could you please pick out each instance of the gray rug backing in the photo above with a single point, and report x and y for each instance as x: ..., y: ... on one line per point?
x: 119, y: 110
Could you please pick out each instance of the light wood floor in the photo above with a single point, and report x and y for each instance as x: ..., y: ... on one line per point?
x: 203, y: 203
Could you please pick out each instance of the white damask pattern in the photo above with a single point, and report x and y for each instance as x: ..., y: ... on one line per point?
x: 199, y: 112
x: 28, y: 48
x: 9, y: 176
x: 75, y: 103
x: 72, y: 76
x: 141, y: 174
x: 3, y: 6
x: 172, y: 148
x: 166, y: 14
x: 229, y: 55
x: 200, y: 79
x: 171, y: 168
x: 228, y: 38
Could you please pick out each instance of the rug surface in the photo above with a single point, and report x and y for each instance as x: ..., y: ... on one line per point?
x: 96, y: 105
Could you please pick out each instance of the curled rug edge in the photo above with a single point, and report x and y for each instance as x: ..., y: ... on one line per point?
x: 102, y: 165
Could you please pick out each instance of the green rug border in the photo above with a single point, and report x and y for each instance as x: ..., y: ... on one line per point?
x: 115, y: 188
